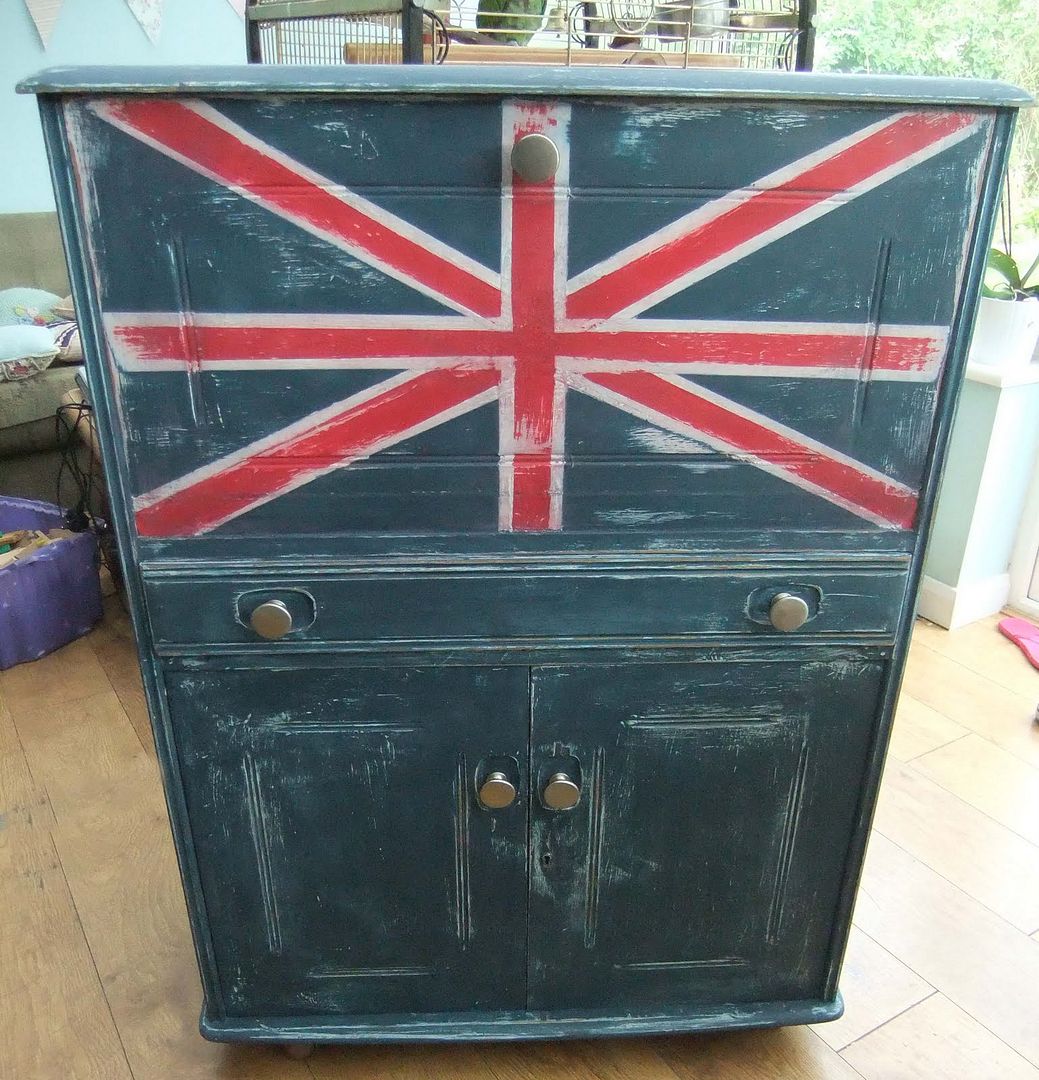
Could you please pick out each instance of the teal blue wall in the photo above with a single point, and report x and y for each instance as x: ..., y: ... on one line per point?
x: 92, y: 32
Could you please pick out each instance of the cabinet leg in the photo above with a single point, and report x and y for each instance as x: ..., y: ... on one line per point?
x: 298, y: 1050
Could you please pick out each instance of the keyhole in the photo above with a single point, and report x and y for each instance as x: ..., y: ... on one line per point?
x: 546, y: 859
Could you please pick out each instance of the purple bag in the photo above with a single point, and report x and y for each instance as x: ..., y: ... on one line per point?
x: 50, y: 597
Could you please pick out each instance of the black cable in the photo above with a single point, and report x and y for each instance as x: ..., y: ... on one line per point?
x: 72, y: 428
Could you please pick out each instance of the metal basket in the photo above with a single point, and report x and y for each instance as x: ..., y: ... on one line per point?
x: 771, y: 34
x: 341, y: 31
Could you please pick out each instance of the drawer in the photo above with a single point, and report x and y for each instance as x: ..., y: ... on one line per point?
x: 476, y: 604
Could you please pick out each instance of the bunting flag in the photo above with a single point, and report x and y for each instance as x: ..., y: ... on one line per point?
x: 148, y: 14
x: 44, y: 15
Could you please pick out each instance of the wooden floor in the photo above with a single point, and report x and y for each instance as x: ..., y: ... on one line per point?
x: 97, y: 977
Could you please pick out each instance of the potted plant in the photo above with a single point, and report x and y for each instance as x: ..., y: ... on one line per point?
x: 1007, y: 330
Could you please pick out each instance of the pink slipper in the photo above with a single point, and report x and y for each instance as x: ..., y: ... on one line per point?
x: 1024, y: 635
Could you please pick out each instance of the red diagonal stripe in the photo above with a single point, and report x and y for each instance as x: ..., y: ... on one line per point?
x: 700, y: 416
x: 764, y: 210
x: 215, y: 494
x: 290, y: 191
x: 885, y: 352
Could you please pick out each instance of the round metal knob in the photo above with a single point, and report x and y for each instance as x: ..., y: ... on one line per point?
x: 497, y: 791
x: 271, y: 620
x: 535, y: 158
x: 787, y: 612
x: 561, y: 793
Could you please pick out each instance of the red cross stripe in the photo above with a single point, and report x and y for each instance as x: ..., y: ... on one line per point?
x: 530, y: 335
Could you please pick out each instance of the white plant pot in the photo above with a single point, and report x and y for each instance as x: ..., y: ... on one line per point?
x: 1006, y: 333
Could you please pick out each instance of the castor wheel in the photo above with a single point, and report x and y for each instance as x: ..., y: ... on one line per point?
x: 298, y: 1050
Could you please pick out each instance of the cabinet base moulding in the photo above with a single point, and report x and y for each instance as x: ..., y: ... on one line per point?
x: 513, y: 1026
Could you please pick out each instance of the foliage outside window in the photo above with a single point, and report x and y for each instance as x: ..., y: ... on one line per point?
x: 984, y: 39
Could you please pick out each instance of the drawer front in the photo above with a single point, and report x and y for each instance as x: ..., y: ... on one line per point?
x: 711, y: 317
x: 469, y: 605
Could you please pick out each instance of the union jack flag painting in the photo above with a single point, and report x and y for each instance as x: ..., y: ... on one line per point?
x: 705, y: 307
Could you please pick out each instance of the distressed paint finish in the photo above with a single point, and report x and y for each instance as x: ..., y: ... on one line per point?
x: 705, y: 857
x: 526, y: 604
x: 638, y: 344
x: 527, y: 464
x: 317, y: 902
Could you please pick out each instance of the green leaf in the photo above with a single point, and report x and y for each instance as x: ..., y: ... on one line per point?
x: 1001, y: 264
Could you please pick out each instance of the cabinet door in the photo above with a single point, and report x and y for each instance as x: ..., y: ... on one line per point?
x: 704, y: 858
x: 346, y: 862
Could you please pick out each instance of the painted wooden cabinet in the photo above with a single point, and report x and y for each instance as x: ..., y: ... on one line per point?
x: 521, y: 479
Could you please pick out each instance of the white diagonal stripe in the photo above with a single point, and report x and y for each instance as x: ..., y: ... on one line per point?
x: 717, y: 207
x: 336, y: 191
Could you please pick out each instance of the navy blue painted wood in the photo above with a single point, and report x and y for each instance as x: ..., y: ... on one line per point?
x: 346, y: 863
x: 401, y: 605
x: 465, y: 599
x: 487, y: 79
x: 519, y: 1026
x: 196, y: 260
x: 704, y: 860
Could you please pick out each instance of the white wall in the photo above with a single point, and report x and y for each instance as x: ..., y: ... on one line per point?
x: 92, y: 32
x: 994, y: 444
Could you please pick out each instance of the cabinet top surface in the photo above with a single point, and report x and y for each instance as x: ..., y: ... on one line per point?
x: 537, y: 80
